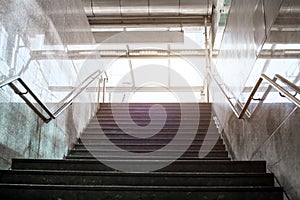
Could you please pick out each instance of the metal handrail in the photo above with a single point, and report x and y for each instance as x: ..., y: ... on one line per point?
x: 74, y: 93
x: 81, y: 88
x: 104, y: 87
x: 236, y: 112
x: 287, y: 82
x: 271, y: 82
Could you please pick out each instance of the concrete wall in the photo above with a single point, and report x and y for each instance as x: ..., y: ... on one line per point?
x: 244, y: 35
x: 28, y: 27
x: 272, y: 133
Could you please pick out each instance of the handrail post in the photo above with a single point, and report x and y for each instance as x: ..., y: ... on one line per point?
x: 245, y: 107
x: 98, y: 89
x: 104, y: 90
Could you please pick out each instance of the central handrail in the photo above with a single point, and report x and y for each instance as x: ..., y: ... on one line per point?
x: 62, y: 105
x: 272, y: 83
x: 84, y: 84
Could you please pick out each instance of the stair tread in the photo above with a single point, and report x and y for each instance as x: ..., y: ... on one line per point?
x: 161, y: 158
x: 190, y: 151
x: 85, y: 173
x: 137, y: 187
x: 179, y: 165
x: 199, y: 161
x: 117, y: 173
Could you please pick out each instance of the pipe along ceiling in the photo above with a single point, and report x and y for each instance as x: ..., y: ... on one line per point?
x: 119, y: 8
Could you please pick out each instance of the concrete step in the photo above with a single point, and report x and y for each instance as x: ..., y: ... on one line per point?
x: 187, y: 154
x: 152, y: 109
x: 202, y: 166
x: 59, y: 177
x: 159, y: 136
x: 133, y: 147
x: 133, y: 158
x: 166, y: 134
x: 145, y: 116
x: 200, y: 129
x: 147, y: 106
x: 145, y: 112
x: 37, y: 191
x: 157, y: 115
x: 82, y: 176
x: 148, y: 141
x: 143, y: 122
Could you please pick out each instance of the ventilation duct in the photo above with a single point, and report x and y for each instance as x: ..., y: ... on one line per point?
x: 98, y: 8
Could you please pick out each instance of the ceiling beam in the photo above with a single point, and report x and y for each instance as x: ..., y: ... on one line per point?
x: 131, y: 89
x: 280, y: 54
x: 96, y: 54
x: 284, y: 37
x: 144, y: 20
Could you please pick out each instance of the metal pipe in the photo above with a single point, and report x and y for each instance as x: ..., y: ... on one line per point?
x: 43, y: 106
x: 224, y: 93
x: 17, y: 91
x: 65, y: 105
x: 9, y: 80
x: 282, y: 90
x: 30, y: 104
x: 145, y: 7
x: 97, y: 73
x: 271, y: 82
x: 81, y: 88
x: 98, y: 89
x: 245, y: 107
x: 287, y: 82
x: 207, y: 58
x: 103, y: 90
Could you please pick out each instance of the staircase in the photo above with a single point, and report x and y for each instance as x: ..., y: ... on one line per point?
x: 113, y: 163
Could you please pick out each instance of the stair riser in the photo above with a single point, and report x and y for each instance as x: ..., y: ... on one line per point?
x: 160, y: 137
x: 82, y: 194
x: 162, y: 158
x: 166, y: 107
x: 136, y: 179
x: 143, y: 142
x: 158, y: 122
x: 148, y: 109
x: 145, y: 116
x: 153, y: 129
x: 148, y: 147
x: 177, y: 166
x: 141, y: 105
x: 187, y: 154
x: 201, y: 130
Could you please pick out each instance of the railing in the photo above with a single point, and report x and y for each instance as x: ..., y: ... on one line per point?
x: 272, y: 84
x: 61, y: 106
x: 104, y: 87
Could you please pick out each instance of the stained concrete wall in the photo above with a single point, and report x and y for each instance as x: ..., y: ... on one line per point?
x: 27, y: 27
x: 272, y: 133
